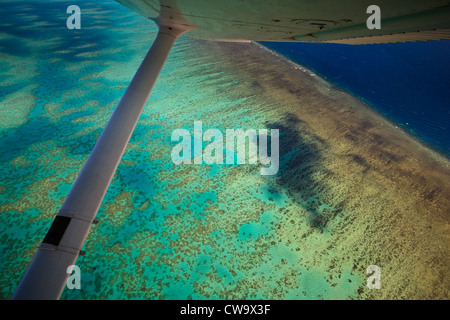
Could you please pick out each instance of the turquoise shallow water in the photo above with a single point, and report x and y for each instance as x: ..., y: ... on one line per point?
x: 164, y: 231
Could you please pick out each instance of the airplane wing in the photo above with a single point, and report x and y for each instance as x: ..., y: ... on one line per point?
x: 341, y: 21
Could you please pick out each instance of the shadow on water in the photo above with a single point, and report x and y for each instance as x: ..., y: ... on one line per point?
x: 302, y: 174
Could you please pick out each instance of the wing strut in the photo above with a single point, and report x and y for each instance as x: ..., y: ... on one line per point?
x: 47, y: 274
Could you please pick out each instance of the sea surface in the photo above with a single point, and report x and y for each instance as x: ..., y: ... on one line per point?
x: 409, y: 83
x: 353, y: 189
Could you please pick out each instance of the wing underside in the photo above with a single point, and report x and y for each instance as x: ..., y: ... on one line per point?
x: 303, y: 21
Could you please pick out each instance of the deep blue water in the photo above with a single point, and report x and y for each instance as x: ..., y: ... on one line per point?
x: 409, y: 83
